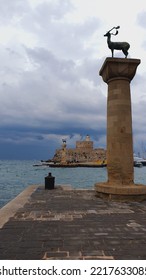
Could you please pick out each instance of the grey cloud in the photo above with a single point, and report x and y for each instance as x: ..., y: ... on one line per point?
x: 13, y: 10
x: 144, y: 45
x: 85, y: 30
x: 141, y: 19
x: 53, y: 93
x: 19, y: 10
x: 63, y: 38
x: 139, y: 115
x: 43, y: 16
x: 69, y: 39
x: 52, y: 10
x: 47, y: 61
x: 89, y: 69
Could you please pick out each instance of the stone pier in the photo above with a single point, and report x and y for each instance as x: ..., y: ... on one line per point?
x: 118, y: 73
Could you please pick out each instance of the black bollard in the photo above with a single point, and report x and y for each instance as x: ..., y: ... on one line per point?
x: 49, y: 182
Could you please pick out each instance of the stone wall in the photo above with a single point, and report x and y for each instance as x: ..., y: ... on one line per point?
x: 84, y: 152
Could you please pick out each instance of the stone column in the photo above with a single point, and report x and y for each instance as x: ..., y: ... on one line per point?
x: 118, y: 73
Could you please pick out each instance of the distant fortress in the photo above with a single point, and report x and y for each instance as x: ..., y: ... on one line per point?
x: 82, y: 153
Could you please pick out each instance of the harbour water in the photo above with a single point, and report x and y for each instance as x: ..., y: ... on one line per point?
x: 15, y: 176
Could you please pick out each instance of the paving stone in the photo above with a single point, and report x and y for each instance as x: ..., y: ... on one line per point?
x: 74, y: 224
x: 58, y: 255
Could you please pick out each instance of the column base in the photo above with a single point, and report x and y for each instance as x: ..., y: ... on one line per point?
x: 123, y: 193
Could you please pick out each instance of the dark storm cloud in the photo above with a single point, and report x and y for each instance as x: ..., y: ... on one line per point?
x: 57, y: 96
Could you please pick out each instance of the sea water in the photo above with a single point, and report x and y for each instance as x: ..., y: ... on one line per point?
x: 15, y: 176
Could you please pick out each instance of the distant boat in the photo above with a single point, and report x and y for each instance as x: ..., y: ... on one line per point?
x: 138, y: 161
x: 138, y: 164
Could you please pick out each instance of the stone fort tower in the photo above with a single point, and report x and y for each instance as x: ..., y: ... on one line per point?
x: 85, y: 145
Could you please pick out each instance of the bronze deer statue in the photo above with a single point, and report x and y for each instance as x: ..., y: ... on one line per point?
x: 124, y: 46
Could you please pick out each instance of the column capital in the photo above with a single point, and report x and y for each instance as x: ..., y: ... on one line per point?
x: 118, y: 68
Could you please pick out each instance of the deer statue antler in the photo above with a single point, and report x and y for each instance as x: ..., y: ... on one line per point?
x: 117, y: 27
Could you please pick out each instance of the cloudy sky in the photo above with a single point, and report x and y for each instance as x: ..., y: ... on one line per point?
x: 51, y: 52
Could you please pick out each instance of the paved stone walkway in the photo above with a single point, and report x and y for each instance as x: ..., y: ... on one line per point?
x: 72, y: 224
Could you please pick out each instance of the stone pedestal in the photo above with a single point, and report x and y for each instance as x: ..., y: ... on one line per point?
x: 118, y: 73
